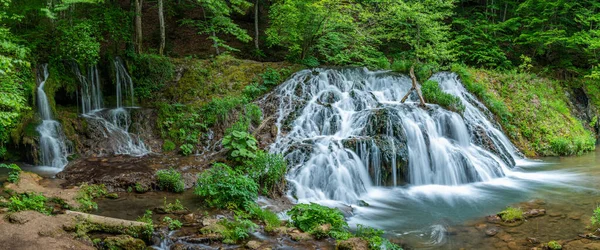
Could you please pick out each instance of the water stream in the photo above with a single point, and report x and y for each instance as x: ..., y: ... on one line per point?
x: 345, y: 132
x: 114, y: 124
x: 53, y: 143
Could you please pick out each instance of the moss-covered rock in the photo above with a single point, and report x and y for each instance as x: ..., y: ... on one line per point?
x: 124, y: 242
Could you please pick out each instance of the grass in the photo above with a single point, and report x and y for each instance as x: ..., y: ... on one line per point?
x: 87, y: 193
x: 533, y: 111
x: 433, y: 94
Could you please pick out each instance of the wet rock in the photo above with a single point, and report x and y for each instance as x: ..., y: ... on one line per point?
x: 299, y: 236
x: 203, y: 238
x: 324, y: 229
x: 532, y: 240
x: 112, y: 196
x: 124, y: 242
x: 214, y: 228
x: 209, y: 221
x: 253, y: 244
x: 3, y: 210
x: 189, y: 218
x: 491, y: 231
x: 512, y: 245
x: 534, y: 213
x: 481, y: 226
x: 555, y: 214
x: 493, y: 219
x: 353, y: 244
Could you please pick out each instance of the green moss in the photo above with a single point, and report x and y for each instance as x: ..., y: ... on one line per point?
x: 553, y: 245
x: 433, y: 94
x: 86, y: 195
x: 533, y: 111
x: 511, y: 214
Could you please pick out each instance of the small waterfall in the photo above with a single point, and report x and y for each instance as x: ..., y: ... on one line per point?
x: 53, y: 146
x: 114, y: 124
x: 91, y: 95
x: 344, y: 131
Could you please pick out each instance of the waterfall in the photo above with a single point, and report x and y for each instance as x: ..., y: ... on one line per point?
x: 53, y: 147
x: 91, y: 95
x: 114, y: 124
x: 344, y: 131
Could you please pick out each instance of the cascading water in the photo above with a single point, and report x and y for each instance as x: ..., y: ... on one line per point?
x: 113, y: 123
x: 344, y: 131
x: 53, y: 146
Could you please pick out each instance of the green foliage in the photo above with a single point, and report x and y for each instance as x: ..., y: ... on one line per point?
x: 217, y: 21
x: 168, y: 145
x: 78, y: 42
x: 268, y: 170
x: 172, y: 224
x: 223, y: 187
x: 140, y: 188
x: 271, y: 77
x: 236, y: 230
x: 186, y: 149
x: 269, y: 218
x: 375, y: 238
x: 170, y: 180
x: 241, y: 145
x: 511, y: 214
x: 14, y: 173
x: 147, y: 218
x: 172, y: 207
x: 596, y: 218
x: 86, y: 195
x: 253, y: 113
x: 433, y: 94
x: 150, y: 73
x: 29, y: 201
x: 308, y: 218
x: 554, y: 245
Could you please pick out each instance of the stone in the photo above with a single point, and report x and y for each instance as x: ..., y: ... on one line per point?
x: 214, y: 228
x: 532, y: 240
x: 299, y: 236
x: 124, y: 242
x: 512, y: 245
x: 19, y: 218
x: 253, y: 244
x: 555, y: 214
x: 534, y: 213
x: 112, y: 196
x: 491, y: 231
x: 189, y: 218
x: 481, y: 226
x: 493, y: 218
x: 209, y: 221
x: 353, y: 244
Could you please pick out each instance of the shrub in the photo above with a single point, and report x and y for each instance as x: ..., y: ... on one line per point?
x: 29, y: 201
x: 241, y: 145
x: 87, y: 193
x: 186, y: 149
x: 553, y: 245
x: 269, y: 218
x: 168, y: 145
x: 375, y: 238
x: 236, y: 230
x: 223, y: 188
x: 308, y: 218
x: 140, y: 188
x: 596, y: 218
x: 433, y: 94
x: 271, y: 77
x: 170, y: 207
x: 253, y: 113
x: 150, y: 73
x: 170, y: 180
x: 511, y: 214
x: 14, y: 173
x: 268, y: 170
x: 172, y: 224
x: 147, y: 218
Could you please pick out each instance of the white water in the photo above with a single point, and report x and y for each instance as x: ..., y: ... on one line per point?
x: 53, y: 146
x: 114, y: 124
x: 345, y: 132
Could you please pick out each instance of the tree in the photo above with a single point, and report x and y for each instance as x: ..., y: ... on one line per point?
x: 138, y: 26
x: 217, y: 21
x: 161, y: 20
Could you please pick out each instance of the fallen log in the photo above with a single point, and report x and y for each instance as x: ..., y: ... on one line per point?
x: 414, y: 87
x: 106, y: 221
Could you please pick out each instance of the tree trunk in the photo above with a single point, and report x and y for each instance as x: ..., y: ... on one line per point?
x: 414, y: 87
x: 161, y: 19
x: 138, y: 26
x: 256, y: 25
